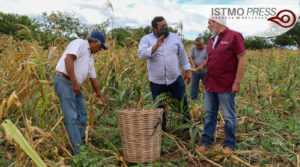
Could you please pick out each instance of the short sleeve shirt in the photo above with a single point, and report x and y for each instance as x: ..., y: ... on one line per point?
x: 222, y: 61
x: 84, y: 63
x: 199, y: 56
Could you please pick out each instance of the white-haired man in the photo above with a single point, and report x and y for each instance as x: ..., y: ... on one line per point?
x: 225, y: 66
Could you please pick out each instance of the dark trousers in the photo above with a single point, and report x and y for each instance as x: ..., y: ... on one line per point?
x: 177, y: 89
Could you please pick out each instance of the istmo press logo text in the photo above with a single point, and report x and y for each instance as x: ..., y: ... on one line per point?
x: 284, y: 18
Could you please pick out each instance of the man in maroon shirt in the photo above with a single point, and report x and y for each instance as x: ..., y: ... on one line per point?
x: 225, y: 67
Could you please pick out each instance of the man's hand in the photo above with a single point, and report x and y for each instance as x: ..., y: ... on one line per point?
x: 239, y: 73
x: 69, y: 63
x: 187, y: 77
x: 199, y: 68
x: 235, y: 87
x: 76, y: 87
x: 159, y: 41
x: 100, y: 100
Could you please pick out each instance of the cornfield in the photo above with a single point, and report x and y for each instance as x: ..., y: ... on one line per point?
x: 268, y: 110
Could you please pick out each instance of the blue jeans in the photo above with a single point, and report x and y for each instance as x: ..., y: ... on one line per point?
x: 177, y: 89
x: 74, y: 110
x: 195, y: 84
x: 211, y: 107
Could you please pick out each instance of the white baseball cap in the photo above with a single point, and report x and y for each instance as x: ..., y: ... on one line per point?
x: 219, y: 18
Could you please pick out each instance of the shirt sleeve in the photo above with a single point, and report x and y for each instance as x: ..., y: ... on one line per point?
x: 92, y: 72
x: 239, y: 45
x: 183, y: 60
x: 75, y: 48
x: 144, y: 49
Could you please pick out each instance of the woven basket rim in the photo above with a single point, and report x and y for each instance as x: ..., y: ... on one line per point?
x: 139, y: 110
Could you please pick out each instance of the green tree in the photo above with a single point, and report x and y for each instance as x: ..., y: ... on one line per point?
x: 292, y: 37
x: 206, y: 35
x: 121, y: 34
x: 62, y: 23
x: 48, y: 29
x: 18, y: 26
x: 127, y: 36
x: 65, y: 25
x: 258, y: 43
x: 101, y: 27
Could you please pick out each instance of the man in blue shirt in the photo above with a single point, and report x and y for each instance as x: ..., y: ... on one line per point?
x: 164, y: 52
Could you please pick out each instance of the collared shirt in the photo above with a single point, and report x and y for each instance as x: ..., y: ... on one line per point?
x: 84, y: 63
x: 199, y: 56
x: 163, y: 64
x: 215, y: 41
x: 222, y: 61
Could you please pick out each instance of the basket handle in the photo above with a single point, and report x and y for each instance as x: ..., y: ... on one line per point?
x: 156, y: 125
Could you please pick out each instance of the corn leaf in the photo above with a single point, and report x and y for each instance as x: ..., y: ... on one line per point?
x: 13, y: 132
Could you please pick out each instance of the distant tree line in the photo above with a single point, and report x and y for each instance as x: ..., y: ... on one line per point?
x: 48, y: 28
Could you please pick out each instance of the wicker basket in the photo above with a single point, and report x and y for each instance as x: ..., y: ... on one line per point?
x: 141, y: 134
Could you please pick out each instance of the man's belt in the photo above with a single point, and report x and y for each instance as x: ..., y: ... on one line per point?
x: 62, y: 75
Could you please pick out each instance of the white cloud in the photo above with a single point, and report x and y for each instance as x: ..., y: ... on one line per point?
x: 274, y: 2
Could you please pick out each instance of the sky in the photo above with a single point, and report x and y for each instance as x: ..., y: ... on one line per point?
x: 136, y: 13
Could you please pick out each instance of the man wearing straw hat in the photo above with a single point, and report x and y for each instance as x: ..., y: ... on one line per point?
x: 75, y: 65
x: 164, y: 52
x: 225, y: 67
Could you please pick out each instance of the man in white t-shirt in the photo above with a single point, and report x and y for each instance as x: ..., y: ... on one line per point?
x: 75, y: 65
